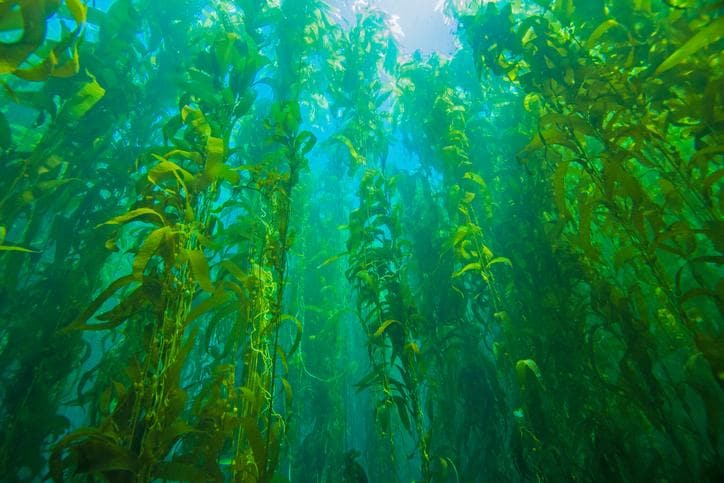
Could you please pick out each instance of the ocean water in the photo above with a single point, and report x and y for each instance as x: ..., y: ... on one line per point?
x: 350, y: 241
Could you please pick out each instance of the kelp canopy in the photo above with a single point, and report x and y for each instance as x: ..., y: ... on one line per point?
x: 257, y: 241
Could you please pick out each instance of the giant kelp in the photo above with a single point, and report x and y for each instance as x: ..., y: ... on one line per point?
x: 500, y: 264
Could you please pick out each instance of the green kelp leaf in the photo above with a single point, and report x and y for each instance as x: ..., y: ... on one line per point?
x: 83, y: 100
x: 331, y: 260
x: 10, y: 19
x: 194, y: 117
x: 70, y: 68
x: 6, y: 137
x: 548, y: 136
x: 564, y: 8
x: 679, y: 230
x: 708, y: 35
x: 94, y: 451
x: 701, y: 158
x: 80, y: 322
x: 166, y: 168
x: 216, y: 168
x: 256, y: 442
x: 462, y: 232
x: 34, y: 30
x: 283, y: 359
x: 304, y: 142
x: 533, y: 102
x: 384, y: 327
x: 475, y: 178
x: 402, y: 411
x: 642, y: 5
x: 78, y: 10
x: 356, y: 156
x: 623, y: 255
x: 288, y: 391
x: 132, y: 215
x: 148, y: 249
x: 710, y: 181
x: 500, y: 260
x: 10, y: 248
x: 200, y: 268
x: 219, y: 297
x: 365, y: 276
x: 131, y: 304
x: 194, y: 156
x: 412, y: 348
x: 368, y: 380
x: 523, y: 366
x: 40, y: 71
x: 298, y: 337
x: 235, y: 271
x: 604, y: 27
x: 470, y: 266
x: 249, y: 396
x: 10, y: 92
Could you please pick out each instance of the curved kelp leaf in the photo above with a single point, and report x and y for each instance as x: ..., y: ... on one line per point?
x: 288, y: 391
x: 470, y: 266
x: 133, y: 214
x: 331, y: 259
x: 215, y: 166
x: 503, y: 260
x: 298, y: 336
x: 384, y: 327
x: 199, y: 268
x: 305, y: 142
x: 707, y: 36
x: 354, y: 154
x: 80, y: 322
x: 83, y: 100
x: 94, y: 452
x: 403, y: 412
x: 525, y: 366
x: 78, y: 10
x: 34, y: 30
x: 604, y: 27
x: 218, y: 298
x: 168, y: 169
x: 148, y: 249
x: 10, y: 248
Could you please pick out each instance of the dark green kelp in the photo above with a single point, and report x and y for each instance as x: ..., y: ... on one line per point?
x: 261, y: 241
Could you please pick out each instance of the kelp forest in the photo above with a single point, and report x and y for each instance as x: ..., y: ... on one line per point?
x: 261, y: 241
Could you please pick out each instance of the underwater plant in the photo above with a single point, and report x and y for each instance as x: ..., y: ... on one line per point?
x: 261, y: 241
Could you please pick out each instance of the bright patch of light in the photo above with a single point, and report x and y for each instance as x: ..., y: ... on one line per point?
x: 393, y: 24
x: 360, y: 5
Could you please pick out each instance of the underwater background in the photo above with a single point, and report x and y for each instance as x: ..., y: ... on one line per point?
x: 349, y: 241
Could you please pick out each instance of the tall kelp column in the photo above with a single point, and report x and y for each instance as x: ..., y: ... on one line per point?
x: 617, y: 342
x: 254, y: 241
x: 174, y: 363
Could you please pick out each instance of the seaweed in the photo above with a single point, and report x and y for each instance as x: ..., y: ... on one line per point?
x: 260, y: 241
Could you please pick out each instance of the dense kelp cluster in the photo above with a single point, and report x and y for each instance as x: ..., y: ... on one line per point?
x: 257, y: 241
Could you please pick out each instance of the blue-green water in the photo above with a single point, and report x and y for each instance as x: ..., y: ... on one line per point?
x: 354, y: 241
